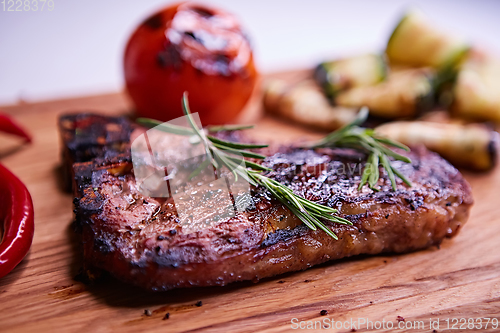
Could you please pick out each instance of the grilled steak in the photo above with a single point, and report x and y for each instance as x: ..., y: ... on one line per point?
x: 140, y: 239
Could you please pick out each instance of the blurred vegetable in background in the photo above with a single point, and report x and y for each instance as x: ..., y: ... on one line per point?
x: 359, y: 71
x: 193, y: 48
x: 9, y: 126
x: 417, y: 42
x: 471, y: 146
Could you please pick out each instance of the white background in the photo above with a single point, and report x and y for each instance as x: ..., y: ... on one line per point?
x: 77, y: 48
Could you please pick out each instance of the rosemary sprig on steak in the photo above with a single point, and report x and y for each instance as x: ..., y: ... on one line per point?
x: 365, y: 139
x: 227, y: 154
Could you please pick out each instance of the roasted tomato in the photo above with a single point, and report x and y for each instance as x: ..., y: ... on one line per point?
x: 191, y: 48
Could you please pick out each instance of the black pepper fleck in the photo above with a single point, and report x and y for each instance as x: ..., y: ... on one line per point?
x: 199, y: 303
x: 147, y: 312
x: 173, y: 232
x: 323, y: 312
x: 167, y: 316
x: 161, y: 237
x: 400, y: 319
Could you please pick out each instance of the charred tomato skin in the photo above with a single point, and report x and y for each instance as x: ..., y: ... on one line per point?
x: 191, y: 48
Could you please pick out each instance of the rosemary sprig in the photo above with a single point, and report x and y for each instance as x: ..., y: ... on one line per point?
x: 215, y: 129
x: 228, y: 154
x: 353, y: 136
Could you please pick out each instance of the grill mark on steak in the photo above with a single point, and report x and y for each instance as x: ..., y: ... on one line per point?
x: 265, y: 240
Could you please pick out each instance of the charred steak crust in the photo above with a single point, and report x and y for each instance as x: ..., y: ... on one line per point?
x: 87, y: 135
x: 140, y: 240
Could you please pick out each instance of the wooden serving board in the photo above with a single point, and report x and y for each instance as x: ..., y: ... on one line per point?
x: 459, y: 280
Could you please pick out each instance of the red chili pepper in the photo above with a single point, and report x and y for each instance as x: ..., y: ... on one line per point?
x: 16, y: 213
x: 8, y: 125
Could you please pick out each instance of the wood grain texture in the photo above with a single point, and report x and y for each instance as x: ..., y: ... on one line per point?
x: 459, y: 280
